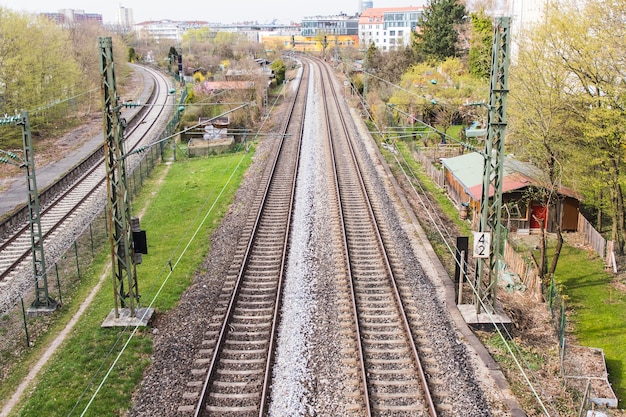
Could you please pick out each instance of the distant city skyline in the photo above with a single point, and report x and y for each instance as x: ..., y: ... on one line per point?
x: 283, y: 11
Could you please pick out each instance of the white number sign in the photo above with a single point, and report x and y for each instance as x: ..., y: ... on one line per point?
x: 482, y: 244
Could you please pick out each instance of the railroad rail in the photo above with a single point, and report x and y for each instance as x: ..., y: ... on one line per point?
x: 87, y: 186
x: 383, y: 352
x: 391, y: 369
x: 236, y: 359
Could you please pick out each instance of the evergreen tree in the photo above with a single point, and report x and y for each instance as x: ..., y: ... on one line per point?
x: 437, y: 36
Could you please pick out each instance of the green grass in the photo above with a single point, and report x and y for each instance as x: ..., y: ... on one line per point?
x: 177, y: 207
x: 597, y: 310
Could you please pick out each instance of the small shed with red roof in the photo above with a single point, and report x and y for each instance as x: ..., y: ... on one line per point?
x: 522, y: 210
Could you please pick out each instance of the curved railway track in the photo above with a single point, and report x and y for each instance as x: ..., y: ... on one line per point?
x: 85, y: 191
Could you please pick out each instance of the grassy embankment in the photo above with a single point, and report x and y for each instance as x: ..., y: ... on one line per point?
x: 176, y: 208
x: 597, y: 309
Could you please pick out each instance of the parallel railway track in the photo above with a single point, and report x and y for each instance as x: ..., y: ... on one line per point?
x: 237, y: 356
x: 84, y: 191
x: 391, y: 369
x: 232, y: 373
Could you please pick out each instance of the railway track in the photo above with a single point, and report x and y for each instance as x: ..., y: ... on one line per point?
x: 232, y: 373
x: 85, y: 193
x: 391, y: 368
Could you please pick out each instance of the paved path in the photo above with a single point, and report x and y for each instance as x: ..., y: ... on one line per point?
x: 16, y: 192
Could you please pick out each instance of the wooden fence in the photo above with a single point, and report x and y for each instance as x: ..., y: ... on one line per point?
x: 591, y: 236
x: 525, y: 269
x: 604, y: 248
x: 432, y: 171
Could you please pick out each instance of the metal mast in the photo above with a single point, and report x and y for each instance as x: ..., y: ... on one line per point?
x: 118, y: 209
x: 43, y: 302
x: 493, y: 172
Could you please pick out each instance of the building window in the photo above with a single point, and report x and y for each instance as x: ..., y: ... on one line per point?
x: 392, y: 33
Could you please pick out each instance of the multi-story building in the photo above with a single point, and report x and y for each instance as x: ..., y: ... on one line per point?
x: 365, y: 4
x: 330, y: 25
x: 125, y: 19
x: 388, y: 28
x: 71, y: 16
x: 166, y: 29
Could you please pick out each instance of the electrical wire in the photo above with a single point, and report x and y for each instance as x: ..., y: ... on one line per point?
x: 168, y: 266
x: 441, y: 231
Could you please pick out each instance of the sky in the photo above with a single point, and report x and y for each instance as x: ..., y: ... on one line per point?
x: 261, y: 11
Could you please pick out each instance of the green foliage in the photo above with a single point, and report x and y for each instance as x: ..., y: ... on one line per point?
x: 446, y: 83
x: 568, y: 103
x: 132, y: 54
x: 46, y: 69
x: 172, y: 217
x: 373, y: 57
x: 481, y: 45
x: 437, y: 38
x: 279, y: 69
x: 597, y: 309
x: 36, y: 66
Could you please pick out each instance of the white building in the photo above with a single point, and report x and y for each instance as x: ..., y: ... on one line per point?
x: 388, y: 28
x: 330, y: 25
x: 125, y: 18
x: 166, y: 29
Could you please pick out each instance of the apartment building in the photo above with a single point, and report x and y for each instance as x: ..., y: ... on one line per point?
x: 388, y: 28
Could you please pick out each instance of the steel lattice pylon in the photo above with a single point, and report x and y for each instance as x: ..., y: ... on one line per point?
x: 118, y: 209
x: 493, y: 171
x: 43, y: 301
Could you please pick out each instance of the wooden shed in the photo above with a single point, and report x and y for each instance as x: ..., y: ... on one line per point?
x: 521, y: 209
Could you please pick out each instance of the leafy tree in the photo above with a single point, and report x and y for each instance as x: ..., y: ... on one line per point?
x: 593, y: 56
x: 279, y: 69
x: 172, y: 57
x: 481, y: 45
x: 373, y: 57
x: 37, y: 67
x: 539, y: 128
x: 132, y: 55
x: 395, y: 63
x: 569, y: 107
x: 435, y: 93
x: 437, y: 37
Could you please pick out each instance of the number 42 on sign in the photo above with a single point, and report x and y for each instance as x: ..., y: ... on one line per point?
x: 482, y: 244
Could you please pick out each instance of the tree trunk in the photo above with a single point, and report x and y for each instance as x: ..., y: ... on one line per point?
x: 559, y: 243
x: 599, y: 216
x: 622, y: 217
x: 614, y: 218
x: 542, y: 262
